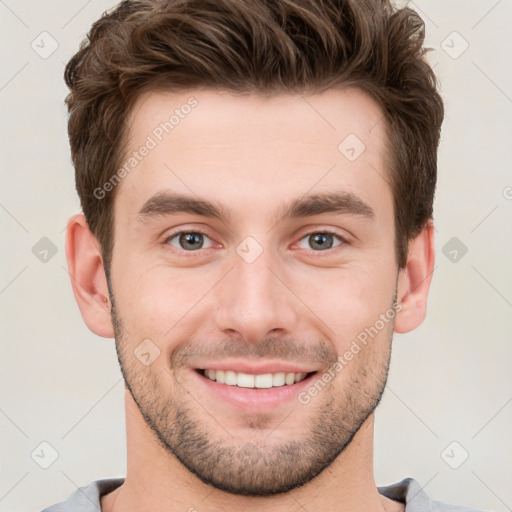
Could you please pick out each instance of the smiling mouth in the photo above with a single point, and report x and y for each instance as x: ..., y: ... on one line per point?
x: 258, y: 381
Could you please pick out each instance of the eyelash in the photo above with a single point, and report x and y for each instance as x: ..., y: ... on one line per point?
x: 342, y: 240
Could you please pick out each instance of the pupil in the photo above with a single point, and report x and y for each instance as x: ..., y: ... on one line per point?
x: 319, y: 239
x: 190, y: 238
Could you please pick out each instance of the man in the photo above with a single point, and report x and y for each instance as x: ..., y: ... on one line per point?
x: 294, y: 144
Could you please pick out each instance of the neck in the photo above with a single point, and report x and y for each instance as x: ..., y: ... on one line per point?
x: 157, y: 481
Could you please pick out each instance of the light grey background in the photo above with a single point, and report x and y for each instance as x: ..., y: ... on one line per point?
x: 450, y: 379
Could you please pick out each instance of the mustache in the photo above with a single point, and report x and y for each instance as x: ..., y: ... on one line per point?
x: 269, y: 348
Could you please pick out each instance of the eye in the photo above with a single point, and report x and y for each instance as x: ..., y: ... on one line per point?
x: 188, y: 240
x: 321, y: 240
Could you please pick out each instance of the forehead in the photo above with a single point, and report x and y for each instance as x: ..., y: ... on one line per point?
x: 250, y: 147
x: 325, y: 117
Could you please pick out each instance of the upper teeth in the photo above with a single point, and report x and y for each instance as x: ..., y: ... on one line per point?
x: 247, y: 380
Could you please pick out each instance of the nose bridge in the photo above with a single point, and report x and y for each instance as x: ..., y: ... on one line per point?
x: 253, y: 300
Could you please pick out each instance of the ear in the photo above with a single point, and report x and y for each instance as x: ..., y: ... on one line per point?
x: 88, y: 280
x: 414, y: 281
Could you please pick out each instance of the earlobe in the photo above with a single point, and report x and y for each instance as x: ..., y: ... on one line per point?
x: 414, y: 281
x: 86, y: 271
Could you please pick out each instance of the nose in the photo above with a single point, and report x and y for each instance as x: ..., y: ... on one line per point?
x: 255, y: 301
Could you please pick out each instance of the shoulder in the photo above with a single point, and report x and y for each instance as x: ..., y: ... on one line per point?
x: 410, y: 492
x: 87, y: 498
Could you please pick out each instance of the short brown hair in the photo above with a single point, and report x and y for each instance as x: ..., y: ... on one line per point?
x: 260, y: 46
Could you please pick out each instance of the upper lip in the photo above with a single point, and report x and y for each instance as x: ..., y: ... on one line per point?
x: 259, y: 367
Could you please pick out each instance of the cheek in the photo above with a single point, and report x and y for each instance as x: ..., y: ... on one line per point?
x: 152, y: 301
x: 349, y: 301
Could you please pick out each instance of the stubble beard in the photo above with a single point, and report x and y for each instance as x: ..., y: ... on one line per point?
x: 263, y: 467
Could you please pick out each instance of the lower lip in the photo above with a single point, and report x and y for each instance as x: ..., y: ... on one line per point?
x: 254, y: 399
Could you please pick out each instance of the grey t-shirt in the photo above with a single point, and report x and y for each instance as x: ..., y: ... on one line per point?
x: 408, y: 491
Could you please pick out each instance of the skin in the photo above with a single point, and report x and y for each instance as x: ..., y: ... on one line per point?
x: 187, y: 447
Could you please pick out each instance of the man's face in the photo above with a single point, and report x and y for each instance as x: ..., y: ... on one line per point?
x: 256, y: 291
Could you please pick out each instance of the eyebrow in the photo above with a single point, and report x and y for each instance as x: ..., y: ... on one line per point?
x: 165, y: 203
